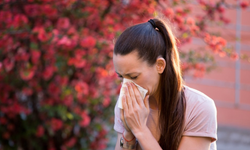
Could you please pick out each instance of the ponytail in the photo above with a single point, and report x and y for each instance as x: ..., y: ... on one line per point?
x: 172, y: 99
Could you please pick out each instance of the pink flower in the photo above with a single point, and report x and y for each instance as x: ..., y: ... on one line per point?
x: 19, y: 20
x: 88, y: 42
x: 63, y: 23
x: 244, y: 4
x: 49, y: 11
x: 169, y: 12
x: 82, y: 87
x: 71, y: 142
x: 68, y: 100
x: 179, y: 10
x: 64, y: 41
x: 234, y: 56
x: 221, y: 9
x: 190, y: 21
x: 40, y: 131
x: 106, y: 101
x: 80, y: 62
x: 56, y: 124
x: 27, y: 74
x: 8, y: 64
x: 32, y: 10
x: 42, y: 35
x: 48, y: 73
x: 54, y: 89
x: 85, y: 119
x: 35, y: 55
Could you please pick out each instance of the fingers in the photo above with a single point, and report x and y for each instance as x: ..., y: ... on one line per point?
x: 132, y: 94
x: 123, y: 120
x: 137, y: 95
x: 124, y: 104
x: 129, y: 100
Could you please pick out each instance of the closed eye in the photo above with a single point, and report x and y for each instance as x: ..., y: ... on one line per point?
x: 133, y: 77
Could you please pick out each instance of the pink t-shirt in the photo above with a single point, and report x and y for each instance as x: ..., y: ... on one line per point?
x: 200, y: 118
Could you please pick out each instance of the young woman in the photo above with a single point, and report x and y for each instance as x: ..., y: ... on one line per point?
x: 172, y: 116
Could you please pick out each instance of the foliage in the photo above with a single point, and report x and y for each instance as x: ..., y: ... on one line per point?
x: 57, y: 81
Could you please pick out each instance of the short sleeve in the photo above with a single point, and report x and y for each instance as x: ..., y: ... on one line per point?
x: 118, y: 126
x: 201, y: 120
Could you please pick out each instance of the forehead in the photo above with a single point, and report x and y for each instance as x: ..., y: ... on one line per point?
x: 128, y: 63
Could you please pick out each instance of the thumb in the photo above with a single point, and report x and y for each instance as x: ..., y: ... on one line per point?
x: 146, y: 101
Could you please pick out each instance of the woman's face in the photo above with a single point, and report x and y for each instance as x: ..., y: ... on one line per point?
x: 130, y: 67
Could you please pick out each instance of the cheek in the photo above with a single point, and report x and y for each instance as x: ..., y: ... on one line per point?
x: 150, y: 82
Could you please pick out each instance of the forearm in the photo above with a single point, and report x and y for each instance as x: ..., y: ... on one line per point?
x: 147, y: 140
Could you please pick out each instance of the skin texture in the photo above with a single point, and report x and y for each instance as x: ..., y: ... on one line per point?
x: 136, y: 110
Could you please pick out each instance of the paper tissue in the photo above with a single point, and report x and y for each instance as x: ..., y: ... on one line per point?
x: 143, y: 91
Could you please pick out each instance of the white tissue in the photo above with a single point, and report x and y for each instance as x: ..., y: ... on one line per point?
x: 143, y: 91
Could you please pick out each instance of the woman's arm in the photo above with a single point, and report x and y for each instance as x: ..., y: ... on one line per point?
x: 147, y: 140
x: 194, y: 143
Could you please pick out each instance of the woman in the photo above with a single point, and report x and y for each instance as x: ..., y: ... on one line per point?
x: 172, y: 116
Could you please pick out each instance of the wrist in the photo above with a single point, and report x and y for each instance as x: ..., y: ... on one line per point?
x: 128, y: 137
x: 141, y: 132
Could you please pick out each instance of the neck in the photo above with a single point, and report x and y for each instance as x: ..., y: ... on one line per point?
x: 153, y: 103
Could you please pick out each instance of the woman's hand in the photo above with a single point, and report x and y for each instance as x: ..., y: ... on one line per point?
x: 136, y: 110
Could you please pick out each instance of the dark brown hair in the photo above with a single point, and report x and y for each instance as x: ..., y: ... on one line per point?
x: 150, y: 43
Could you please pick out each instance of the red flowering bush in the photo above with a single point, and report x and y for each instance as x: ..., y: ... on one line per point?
x: 57, y: 82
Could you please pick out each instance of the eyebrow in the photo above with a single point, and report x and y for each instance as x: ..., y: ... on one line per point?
x: 128, y: 74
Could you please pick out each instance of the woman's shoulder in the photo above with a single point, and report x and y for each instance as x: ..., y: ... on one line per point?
x: 197, y: 102
x: 194, y: 96
x: 201, y: 114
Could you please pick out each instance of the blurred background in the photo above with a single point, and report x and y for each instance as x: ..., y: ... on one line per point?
x: 58, y: 87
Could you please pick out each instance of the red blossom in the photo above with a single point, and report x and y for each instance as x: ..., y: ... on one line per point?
x: 41, y: 34
x: 32, y: 10
x: 49, y: 11
x: 19, y: 20
x: 234, y: 56
x: 88, y: 42
x: 85, y: 119
x: 82, y: 87
x: 8, y: 64
x: 56, y: 124
x: 40, y: 131
x: 71, y: 142
x: 68, y: 100
x: 64, y: 41
x: 169, y: 12
x: 221, y: 9
x: 35, y: 55
x: 48, y: 72
x: 190, y: 21
x: 106, y: 101
x: 244, y: 4
x: 63, y: 23
x: 53, y: 89
x: 27, y: 73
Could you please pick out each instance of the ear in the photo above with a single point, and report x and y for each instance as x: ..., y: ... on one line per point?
x: 160, y: 65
